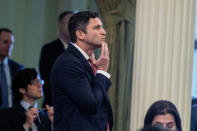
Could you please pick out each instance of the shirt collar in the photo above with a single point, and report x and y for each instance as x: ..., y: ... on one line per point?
x: 64, y: 43
x: 82, y: 51
x: 26, y: 105
x: 5, y: 61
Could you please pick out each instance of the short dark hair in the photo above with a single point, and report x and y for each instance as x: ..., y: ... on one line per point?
x: 162, y: 107
x: 79, y: 21
x: 21, y: 80
x: 5, y: 30
x: 63, y: 14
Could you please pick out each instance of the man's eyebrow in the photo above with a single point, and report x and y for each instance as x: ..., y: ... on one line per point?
x: 158, y: 122
x: 97, y: 26
x: 5, y: 40
x: 171, y: 122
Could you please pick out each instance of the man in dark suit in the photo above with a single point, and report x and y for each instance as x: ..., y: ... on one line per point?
x: 79, y: 81
x: 8, y: 67
x: 24, y: 116
x: 51, y: 51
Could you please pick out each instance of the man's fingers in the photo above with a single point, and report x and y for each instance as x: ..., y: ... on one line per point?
x: 93, y: 58
x: 50, y: 109
x: 102, y: 50
x: 32, y: 114
x: 107, y: 50
x: 47, y: 107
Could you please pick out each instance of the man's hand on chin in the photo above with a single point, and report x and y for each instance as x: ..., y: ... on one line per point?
x: 103, y: 61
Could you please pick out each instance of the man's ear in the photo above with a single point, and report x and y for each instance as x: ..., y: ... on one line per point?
x: 22, y: 90
x: 80, y: 34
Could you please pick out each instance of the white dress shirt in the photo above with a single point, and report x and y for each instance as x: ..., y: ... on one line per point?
x: 64, y: 43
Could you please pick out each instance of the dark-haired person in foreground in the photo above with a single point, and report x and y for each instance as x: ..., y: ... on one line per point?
x: 163, y: 113
x: 8, y: 68
x: 79, y: 81
x: 51, y: 51
x: 25, y: 116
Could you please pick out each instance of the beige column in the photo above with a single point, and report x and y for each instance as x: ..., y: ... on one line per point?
x: 163, y: 57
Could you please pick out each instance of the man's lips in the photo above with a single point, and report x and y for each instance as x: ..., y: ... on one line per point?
x: 103, y: 39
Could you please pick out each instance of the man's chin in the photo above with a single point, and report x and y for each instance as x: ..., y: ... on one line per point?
x: 96, y: 46
x: 38, y: 97
x: 99, y: 46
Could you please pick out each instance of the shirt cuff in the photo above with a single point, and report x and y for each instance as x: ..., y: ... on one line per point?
x: 104, y: 73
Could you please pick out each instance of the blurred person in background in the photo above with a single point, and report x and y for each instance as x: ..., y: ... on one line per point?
x: 51, y: 51
x: 8, y: 68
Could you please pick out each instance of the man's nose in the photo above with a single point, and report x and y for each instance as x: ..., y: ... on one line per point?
x: 9, y: 44
x: 103, y: 31
x: 41, y: 82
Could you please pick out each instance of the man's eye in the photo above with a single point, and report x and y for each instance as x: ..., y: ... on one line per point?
x: 171, y: 125
x: 97, y: 27
x: 158, y: 124
x: 5, y: 41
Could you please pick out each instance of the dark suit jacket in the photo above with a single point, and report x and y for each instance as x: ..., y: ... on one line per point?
x: 194, y: 100
x: 79, y: 97
x: 14, y: 67
x: 49, y: 53
x: 13, y: 119
x: 194, y: 118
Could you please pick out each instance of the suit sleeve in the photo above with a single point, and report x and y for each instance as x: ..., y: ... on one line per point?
x: 193, y: 126
x: 8, y: 121
x: 86, y: 94
x: 43, y: 67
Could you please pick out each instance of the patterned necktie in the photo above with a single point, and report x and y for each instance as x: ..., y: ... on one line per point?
x: 4, y: 87
x: 38, y: 124
x: 37, y: 121
x: 95, y: 70
x: 92, y: 66
x: 107, y: 126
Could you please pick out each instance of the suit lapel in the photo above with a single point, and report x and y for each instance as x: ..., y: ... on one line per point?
x: 11, y: 67
x: 19, y: 112
x: 88, y: 67
x: 59, y: 46
x: 82, y: 59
